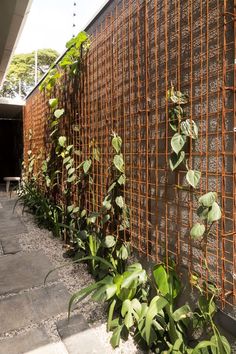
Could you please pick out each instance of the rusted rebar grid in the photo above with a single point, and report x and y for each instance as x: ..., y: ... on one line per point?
x: 138, y: 48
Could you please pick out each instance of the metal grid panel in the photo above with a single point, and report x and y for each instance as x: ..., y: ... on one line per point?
x: 138, y: 48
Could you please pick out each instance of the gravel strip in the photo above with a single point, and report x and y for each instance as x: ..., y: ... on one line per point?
x: 74, y: 277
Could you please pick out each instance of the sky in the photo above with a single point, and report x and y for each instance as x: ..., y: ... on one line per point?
x: 50, y: 23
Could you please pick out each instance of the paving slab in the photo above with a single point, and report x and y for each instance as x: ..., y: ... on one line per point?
x: 78, y: 337
x: 11, y: 226
x: 10, y: 222
x: 23, y: 271
x: 10, y: 245
x: 34, y: 341
x: 21, y: 310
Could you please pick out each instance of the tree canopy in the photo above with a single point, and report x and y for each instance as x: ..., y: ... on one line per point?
x: 20, y: 78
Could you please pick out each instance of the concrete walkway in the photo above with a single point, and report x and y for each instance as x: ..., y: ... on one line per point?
x: 26, y: 304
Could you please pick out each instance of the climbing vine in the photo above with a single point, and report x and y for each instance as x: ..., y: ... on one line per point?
x: 137, y: 304
x: 70, y: 62
x: 185, y: 128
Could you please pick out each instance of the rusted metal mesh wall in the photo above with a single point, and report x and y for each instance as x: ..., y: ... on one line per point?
x: 138, y: 48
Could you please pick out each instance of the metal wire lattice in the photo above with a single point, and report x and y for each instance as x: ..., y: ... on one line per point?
x: 138, y: 48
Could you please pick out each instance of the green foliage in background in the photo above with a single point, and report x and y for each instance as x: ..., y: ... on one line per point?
x: 20, y: 78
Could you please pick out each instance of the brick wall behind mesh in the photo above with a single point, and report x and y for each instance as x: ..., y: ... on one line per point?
x: 138, y: 48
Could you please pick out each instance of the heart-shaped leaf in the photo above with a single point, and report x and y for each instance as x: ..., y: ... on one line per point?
x: 176, y: 97
x: 214, y: 213
x: 121, y: 180
x: 59, y: 112
x: 181, y: 313
x: 120, y: 202
x: 71, y: 171
x: 189, y: 128
x: 123, y: 252
x: 86, y: 165
x: 119, y: 163
x: 96, y: 154
x: 53, y: 102
x: 106, y: 204
x: 193, y: 177
x: 116, y: 143
x: 71, y: 179
x: 177, y: 142
x: 197, y: 231
x: 62, y: 141
x: 208, y: 199
x: 109, y: 241
x: 175, y: 160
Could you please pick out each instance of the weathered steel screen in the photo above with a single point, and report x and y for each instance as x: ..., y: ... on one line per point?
x: 138, y: 49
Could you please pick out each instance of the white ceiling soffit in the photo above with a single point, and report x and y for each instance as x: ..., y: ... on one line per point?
x: 13, y: 14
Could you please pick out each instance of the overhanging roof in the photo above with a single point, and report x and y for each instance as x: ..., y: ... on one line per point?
x: 11, y: 109
x: 13, y: 14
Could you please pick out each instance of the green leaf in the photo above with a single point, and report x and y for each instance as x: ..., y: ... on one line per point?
x: 79, y: 295
x: 62, y: 141
x: 120, y: 202
x: 69, y: 165
x: 115, y: 339
x: 156, y: 305
x: 189, y: 128
x: 66, y: 159
x: 83, y: 213
x: 123, y: 252
x: 110, y: 314
x: 105, y: 219
x: 202, y: 345
x: 106, y: 204
x: 104, y: 293
x: 161, y: 279
x: 92, y: 217
x: 176, y: 349
x: 96, y: 154
x: 119, y: 163
x: 208, y: 199
x: 197, y: 231
x: 53, y: 102
x: 174, y: 125
x: 130, y: 310
x: 71, y: 171
x: 69, y: 147
x: 121, y: 179
x: 59, y: 112
x: 86, y: 165
x: 181, y: 313
x: 75, y: 210
x: 214, y: 213
x: 177, y: 142
x: 71, y: 179
x: 111, y: 187
x: 206, y: 306
x: 176, y: 97
x: 70, y: 208
x: 193, y: 177
x: 175, y: 160
x: 109, y: 241
x: 222, y: 344
x: 116, y: 143
x: 130, y: 277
